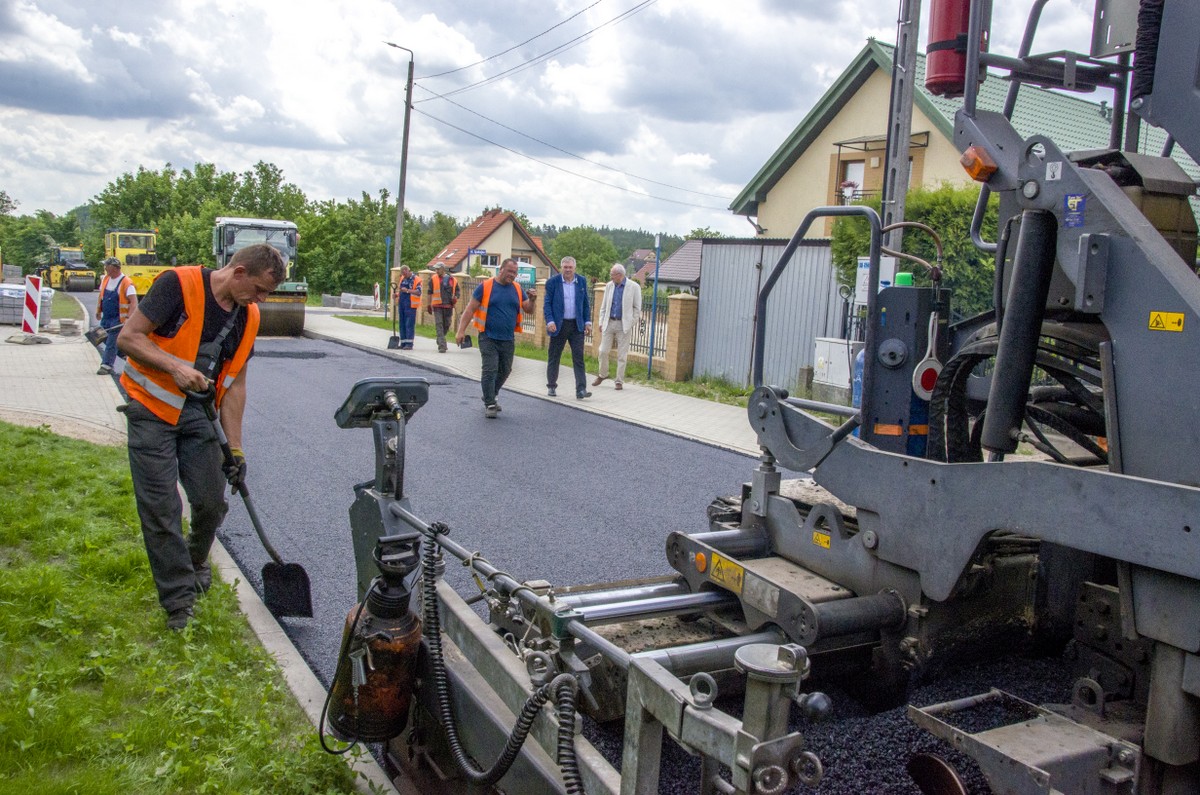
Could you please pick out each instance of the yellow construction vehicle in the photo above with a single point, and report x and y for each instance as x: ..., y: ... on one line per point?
x: 68, y: 271
x: 134, y: 248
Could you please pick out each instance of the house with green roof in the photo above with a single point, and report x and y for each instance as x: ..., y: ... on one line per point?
x: 836, y: 154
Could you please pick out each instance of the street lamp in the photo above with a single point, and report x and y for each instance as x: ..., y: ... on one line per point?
x: 399, y: 240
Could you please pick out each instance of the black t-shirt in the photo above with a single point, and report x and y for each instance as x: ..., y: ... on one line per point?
x: 163, y: 306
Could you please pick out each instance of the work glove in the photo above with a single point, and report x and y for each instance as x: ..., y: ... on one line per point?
x: 235, y: 471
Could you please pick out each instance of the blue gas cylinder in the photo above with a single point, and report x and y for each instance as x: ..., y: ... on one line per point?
x: 857, y: 383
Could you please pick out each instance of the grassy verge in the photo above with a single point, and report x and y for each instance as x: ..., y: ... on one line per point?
x: 95, y: 694
x: 65, y: 307
x: 716, y: 389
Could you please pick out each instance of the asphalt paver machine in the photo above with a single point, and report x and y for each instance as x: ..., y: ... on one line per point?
x: 846, y: 550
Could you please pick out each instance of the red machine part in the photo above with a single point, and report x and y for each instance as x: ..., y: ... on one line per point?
x: 946, y: 53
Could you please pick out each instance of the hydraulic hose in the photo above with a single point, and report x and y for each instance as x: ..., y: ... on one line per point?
x: 563, y: 687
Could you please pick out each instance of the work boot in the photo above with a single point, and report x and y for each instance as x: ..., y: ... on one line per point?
x: 491, y: 412
x: 599, y: 380
x: 178, y: 618
x: 104, y: 370
x: 551, y: 391
x: 582, y: 395
x: 203, y: 576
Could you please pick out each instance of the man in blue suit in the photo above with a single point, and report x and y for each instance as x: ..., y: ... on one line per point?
x: 568, y: 313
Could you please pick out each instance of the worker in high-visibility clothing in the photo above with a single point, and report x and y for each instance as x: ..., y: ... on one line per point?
x: 193, y: 333
x: 118, y: 298
x: 495, y: 309
x: 407, y: 307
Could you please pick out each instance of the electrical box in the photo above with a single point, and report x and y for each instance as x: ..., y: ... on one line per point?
x: 833, y: 361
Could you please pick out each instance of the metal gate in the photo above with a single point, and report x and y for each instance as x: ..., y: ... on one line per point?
x: 804, y: 305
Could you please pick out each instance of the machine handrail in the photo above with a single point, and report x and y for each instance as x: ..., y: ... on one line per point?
x: 760, y: 322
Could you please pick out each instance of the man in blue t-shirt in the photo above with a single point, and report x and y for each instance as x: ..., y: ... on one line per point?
x: 495, y: 308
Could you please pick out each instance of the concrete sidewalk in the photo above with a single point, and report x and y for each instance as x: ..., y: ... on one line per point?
x: 694, y: 418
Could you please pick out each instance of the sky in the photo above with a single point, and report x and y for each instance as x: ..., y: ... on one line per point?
x: 648, y: 114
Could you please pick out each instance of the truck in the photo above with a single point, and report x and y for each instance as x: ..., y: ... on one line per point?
x: 849, y: 558
x: 134, y: 249
x: 283, y: 312
x: 68, y: 271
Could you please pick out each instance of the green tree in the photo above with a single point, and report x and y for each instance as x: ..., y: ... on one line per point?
x: 702, y: 232
x: 594, y: 254
x: 8, y: 205
x: 433, y: 237
x: 262, y: 193
x: 342, y: 244
x: 947, y: 209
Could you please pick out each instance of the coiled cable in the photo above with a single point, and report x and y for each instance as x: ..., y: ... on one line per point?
x: 563, y: 687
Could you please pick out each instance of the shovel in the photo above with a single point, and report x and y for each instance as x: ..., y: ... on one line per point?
x: 286, y: 590
x: 394, y: 340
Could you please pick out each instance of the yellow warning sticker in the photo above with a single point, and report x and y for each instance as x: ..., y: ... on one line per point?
x: 724, y: 571
x: 821, y: 539
x: 1166, y: 321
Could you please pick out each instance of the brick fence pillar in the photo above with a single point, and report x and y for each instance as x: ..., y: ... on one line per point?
x: 681, y: 337
x: 597, y: 297
x: 540, y: 338
x: 425, y: 314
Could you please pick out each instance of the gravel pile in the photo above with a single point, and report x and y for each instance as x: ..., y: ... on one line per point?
x: 865, y: 753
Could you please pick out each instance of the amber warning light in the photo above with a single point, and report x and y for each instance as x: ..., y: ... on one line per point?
x: 978, y: 163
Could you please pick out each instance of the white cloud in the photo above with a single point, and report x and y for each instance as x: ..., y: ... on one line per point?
x: 694, y: 94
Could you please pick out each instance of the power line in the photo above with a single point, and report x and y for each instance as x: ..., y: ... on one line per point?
x: 563, y: 170
x: 537, y: 59
x: 510, y: 49
x: 572, y: 154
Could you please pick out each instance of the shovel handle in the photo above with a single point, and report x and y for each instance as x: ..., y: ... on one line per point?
x: 207, y: 399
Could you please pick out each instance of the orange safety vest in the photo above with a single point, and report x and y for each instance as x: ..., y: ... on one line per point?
x: 481, y: 313
x: 122, y: 297
x: 155, y: 389
x: 435, y: 289
x: 414, y: 298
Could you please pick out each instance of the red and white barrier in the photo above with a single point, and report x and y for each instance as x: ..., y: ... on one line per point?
x: 31, y: 317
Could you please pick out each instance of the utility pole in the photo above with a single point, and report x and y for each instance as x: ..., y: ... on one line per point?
x: 398, y: 243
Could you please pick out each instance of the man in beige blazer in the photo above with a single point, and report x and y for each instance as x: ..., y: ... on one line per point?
x: 619, y: 312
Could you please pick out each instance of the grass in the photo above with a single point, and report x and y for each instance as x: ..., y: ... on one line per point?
x: 716, y: 389
x: 64, y: 306
x: 96, y: 695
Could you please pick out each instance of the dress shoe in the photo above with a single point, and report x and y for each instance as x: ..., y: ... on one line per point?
x: 599, y: 380
x: 620, y: 385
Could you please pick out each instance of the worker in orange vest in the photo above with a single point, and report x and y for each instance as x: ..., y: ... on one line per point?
x: 407, y: 307
x: 495, y: 308
x: 192, y: 333
x: 118, y: 297
x: 443, y: 296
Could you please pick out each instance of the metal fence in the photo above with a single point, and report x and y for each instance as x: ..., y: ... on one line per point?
x: 804, y: 305
x: 639, y: 339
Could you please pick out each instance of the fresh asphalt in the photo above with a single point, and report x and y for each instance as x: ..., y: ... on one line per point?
x: 544, y: 491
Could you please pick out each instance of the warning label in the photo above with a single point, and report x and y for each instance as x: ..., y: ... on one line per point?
x: 1166, y: 321
x: 727, y: 573
x: 821, y: 539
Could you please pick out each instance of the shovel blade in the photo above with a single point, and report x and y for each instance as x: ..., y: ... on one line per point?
x: 393, y: 343
x: 286, y: 590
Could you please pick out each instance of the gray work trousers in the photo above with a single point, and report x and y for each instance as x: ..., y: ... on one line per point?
x: 442, y: 318
x: 160, y: 456
x: 496, y: 359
